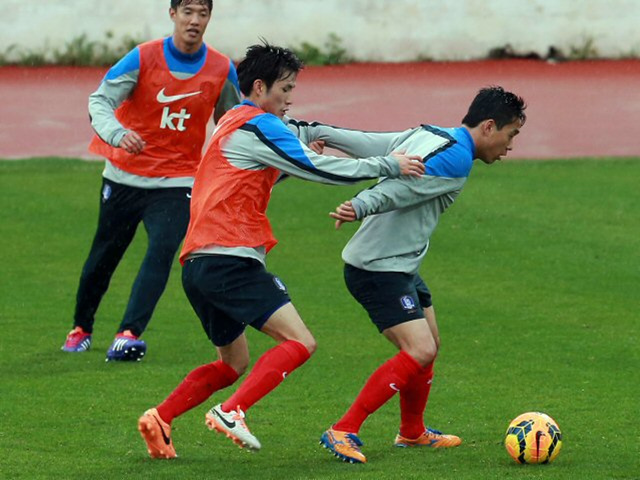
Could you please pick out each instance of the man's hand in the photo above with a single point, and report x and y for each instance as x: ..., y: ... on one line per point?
x: 132, y: 143
x: 317, y: 146
x: 409, y: 164
x: 344, y: 213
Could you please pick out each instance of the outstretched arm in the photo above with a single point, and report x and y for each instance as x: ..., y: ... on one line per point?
x: 279, y: 148
x: 354, y: 143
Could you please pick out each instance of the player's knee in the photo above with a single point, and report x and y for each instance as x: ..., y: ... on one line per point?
x: 304, y: 337
x: 238, y: 361
x: 424, y: 354
x: 309, y: 343
x: 239, y: 365
x: 163, y: 249
x: 242, y: 368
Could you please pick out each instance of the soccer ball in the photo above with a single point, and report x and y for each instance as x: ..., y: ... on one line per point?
x: 533, y: 437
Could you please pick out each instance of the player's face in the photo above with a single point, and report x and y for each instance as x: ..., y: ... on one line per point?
x: 277, y: 99
x: 497, y: 142
x: 190, y: 22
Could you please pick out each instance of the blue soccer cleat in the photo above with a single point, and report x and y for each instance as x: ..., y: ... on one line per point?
x: 126, y: 348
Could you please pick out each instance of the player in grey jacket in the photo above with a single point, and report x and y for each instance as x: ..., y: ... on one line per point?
x: 383, y: 257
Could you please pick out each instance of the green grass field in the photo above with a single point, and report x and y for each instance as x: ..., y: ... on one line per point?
x: 535, y: 273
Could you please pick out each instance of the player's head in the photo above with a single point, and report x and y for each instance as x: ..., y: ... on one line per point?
x: 178, y: 3
x: 190, y: 19
x: 494, y: 118
x: 267, y: 76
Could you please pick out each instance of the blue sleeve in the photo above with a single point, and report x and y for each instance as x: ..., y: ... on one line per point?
x: 232, y: 76
x: 129, y: 63
x: 453, y: 162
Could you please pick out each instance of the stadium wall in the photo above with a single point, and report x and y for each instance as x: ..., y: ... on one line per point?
x: 370, y: 30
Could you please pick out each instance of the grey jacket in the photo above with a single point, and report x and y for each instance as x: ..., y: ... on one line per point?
x: 399, y: 214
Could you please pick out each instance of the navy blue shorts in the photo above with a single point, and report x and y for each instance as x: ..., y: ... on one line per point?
x: 228, y: 293
x: 390, y: 298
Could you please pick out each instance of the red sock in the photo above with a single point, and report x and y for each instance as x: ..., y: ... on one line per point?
x: 268, y: 372
x: 199, y: 385
x: 390, y: 377
x: 413, y: 401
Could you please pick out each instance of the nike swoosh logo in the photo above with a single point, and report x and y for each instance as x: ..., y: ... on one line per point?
x: 162, y: 98
x: 166, y: 439
x: 224, y: 420
x: 393, y: 387
x: 188, y: 195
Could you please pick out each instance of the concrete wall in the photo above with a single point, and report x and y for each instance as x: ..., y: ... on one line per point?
x: 371, y: 30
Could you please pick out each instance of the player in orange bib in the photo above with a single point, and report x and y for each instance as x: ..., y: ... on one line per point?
x: 229, y: 235
x: 150, y: 115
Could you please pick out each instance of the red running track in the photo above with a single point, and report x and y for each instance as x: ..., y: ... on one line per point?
x: 576, y: 109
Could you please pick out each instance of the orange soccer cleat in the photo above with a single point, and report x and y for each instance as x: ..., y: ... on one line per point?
x: 157, y: 433
x: 344, y: 445
x: 430, y: 438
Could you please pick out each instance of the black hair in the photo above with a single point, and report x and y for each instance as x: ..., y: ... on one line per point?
x: 177, y: 3
x: 497, y: 104
x: 267, y: 63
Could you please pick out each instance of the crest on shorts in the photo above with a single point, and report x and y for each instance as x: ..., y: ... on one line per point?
x: 407, y: 302
x: 106, y: 193
x: 280, y: 284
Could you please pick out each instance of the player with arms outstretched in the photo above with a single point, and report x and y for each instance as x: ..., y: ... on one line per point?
x: 228, y: 238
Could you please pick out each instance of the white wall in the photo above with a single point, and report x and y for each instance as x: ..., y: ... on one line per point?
x: 371, y: 30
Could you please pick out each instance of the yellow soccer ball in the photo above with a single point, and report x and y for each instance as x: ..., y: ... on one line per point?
x: 533, y: 437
